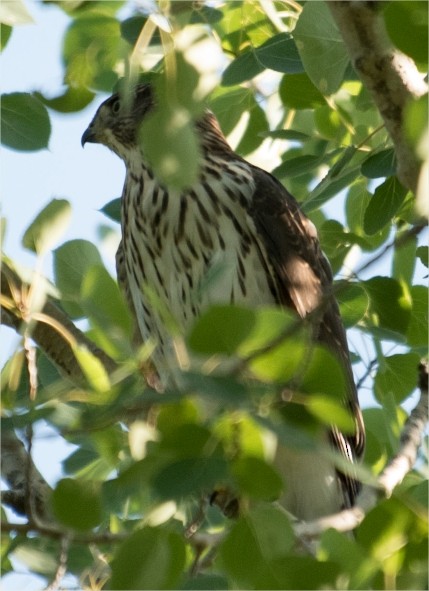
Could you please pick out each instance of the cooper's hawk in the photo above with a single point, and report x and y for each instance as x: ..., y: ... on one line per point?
x: 240, y: 220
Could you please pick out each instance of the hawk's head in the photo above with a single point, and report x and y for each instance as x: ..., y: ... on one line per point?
x: 117, y: 120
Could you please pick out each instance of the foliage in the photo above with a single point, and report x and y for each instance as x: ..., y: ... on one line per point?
x: 288, y: 85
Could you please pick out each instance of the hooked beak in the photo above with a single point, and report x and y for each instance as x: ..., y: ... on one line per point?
x: 88, y: 136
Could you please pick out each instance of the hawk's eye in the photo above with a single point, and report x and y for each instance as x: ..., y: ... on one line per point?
x: 116, y: 106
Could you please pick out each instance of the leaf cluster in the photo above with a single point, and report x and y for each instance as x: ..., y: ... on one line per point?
x: 143, y: 462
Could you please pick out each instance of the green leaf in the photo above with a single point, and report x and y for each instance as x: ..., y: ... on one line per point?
x: 93, y: 369
x: 72, y: 100
x: 298, y: 92
x: 151, y: 558
x: 244, y: 67
x: 397, y: 376
x: 77, y: 504
x: 404, y: 258
x: 390, y: 305
x: 14, y: 13
x: 278, y: 53
x: 321, y: 47
x: 221, y: 330
x: 204, y: 582
x: 353, y: 560
x: 5, y: 33
x: 417, y: 333
x: 104, y: 304
x: 202, y: 474
x: 298, y: 166
x: 25, y: 123
x: 113, y: 209
x: 254, y: 542
x: 354, y: 303
x: 380, y: 164
x: 388, y: 198
x: 91, y: 51
x: 331, y: 412
x: 48, y: 226
x: 407, y: 25
x: 257, y: 479
x: 423, y: 254
x: 72, y: 261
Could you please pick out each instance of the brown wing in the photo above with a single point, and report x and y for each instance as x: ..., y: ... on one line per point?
x: 304, y: 281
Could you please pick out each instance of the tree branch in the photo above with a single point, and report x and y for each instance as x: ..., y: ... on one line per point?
x: 47, y: 336
x: 390, y: 76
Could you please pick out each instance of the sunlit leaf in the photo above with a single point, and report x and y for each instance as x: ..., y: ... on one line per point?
x: 48, y: 226
x: 417, y: 332
x: 14, y: 13
x: 390, y: 303
x: 92, y: 367
x: 321, y: 47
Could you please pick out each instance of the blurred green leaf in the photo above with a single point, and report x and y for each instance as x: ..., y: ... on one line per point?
x: 321, y: 47
x: 331, y: 412
x: 72, y: 261
x: 25, y: 123
x: 5, y: 33
x: 380, y: 164
x: 255, y: 541
x: 72, y: 100
x: 151, y: 558
x: 93, y: 368
x: 353, y: 560
x: 173, y: 150
x: 105, y: 306
x: 189, y: 476
x: 407, y: 25
x: 207, y: 582
x: 91, y: 50
x: 48, y: 226
x: 256, y: 478
x: 298, y: 92
x: 221, y: 330
x: 397, y: 376
x: 423, y: 254
x: 387, y: 199
x: 77, y: 504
